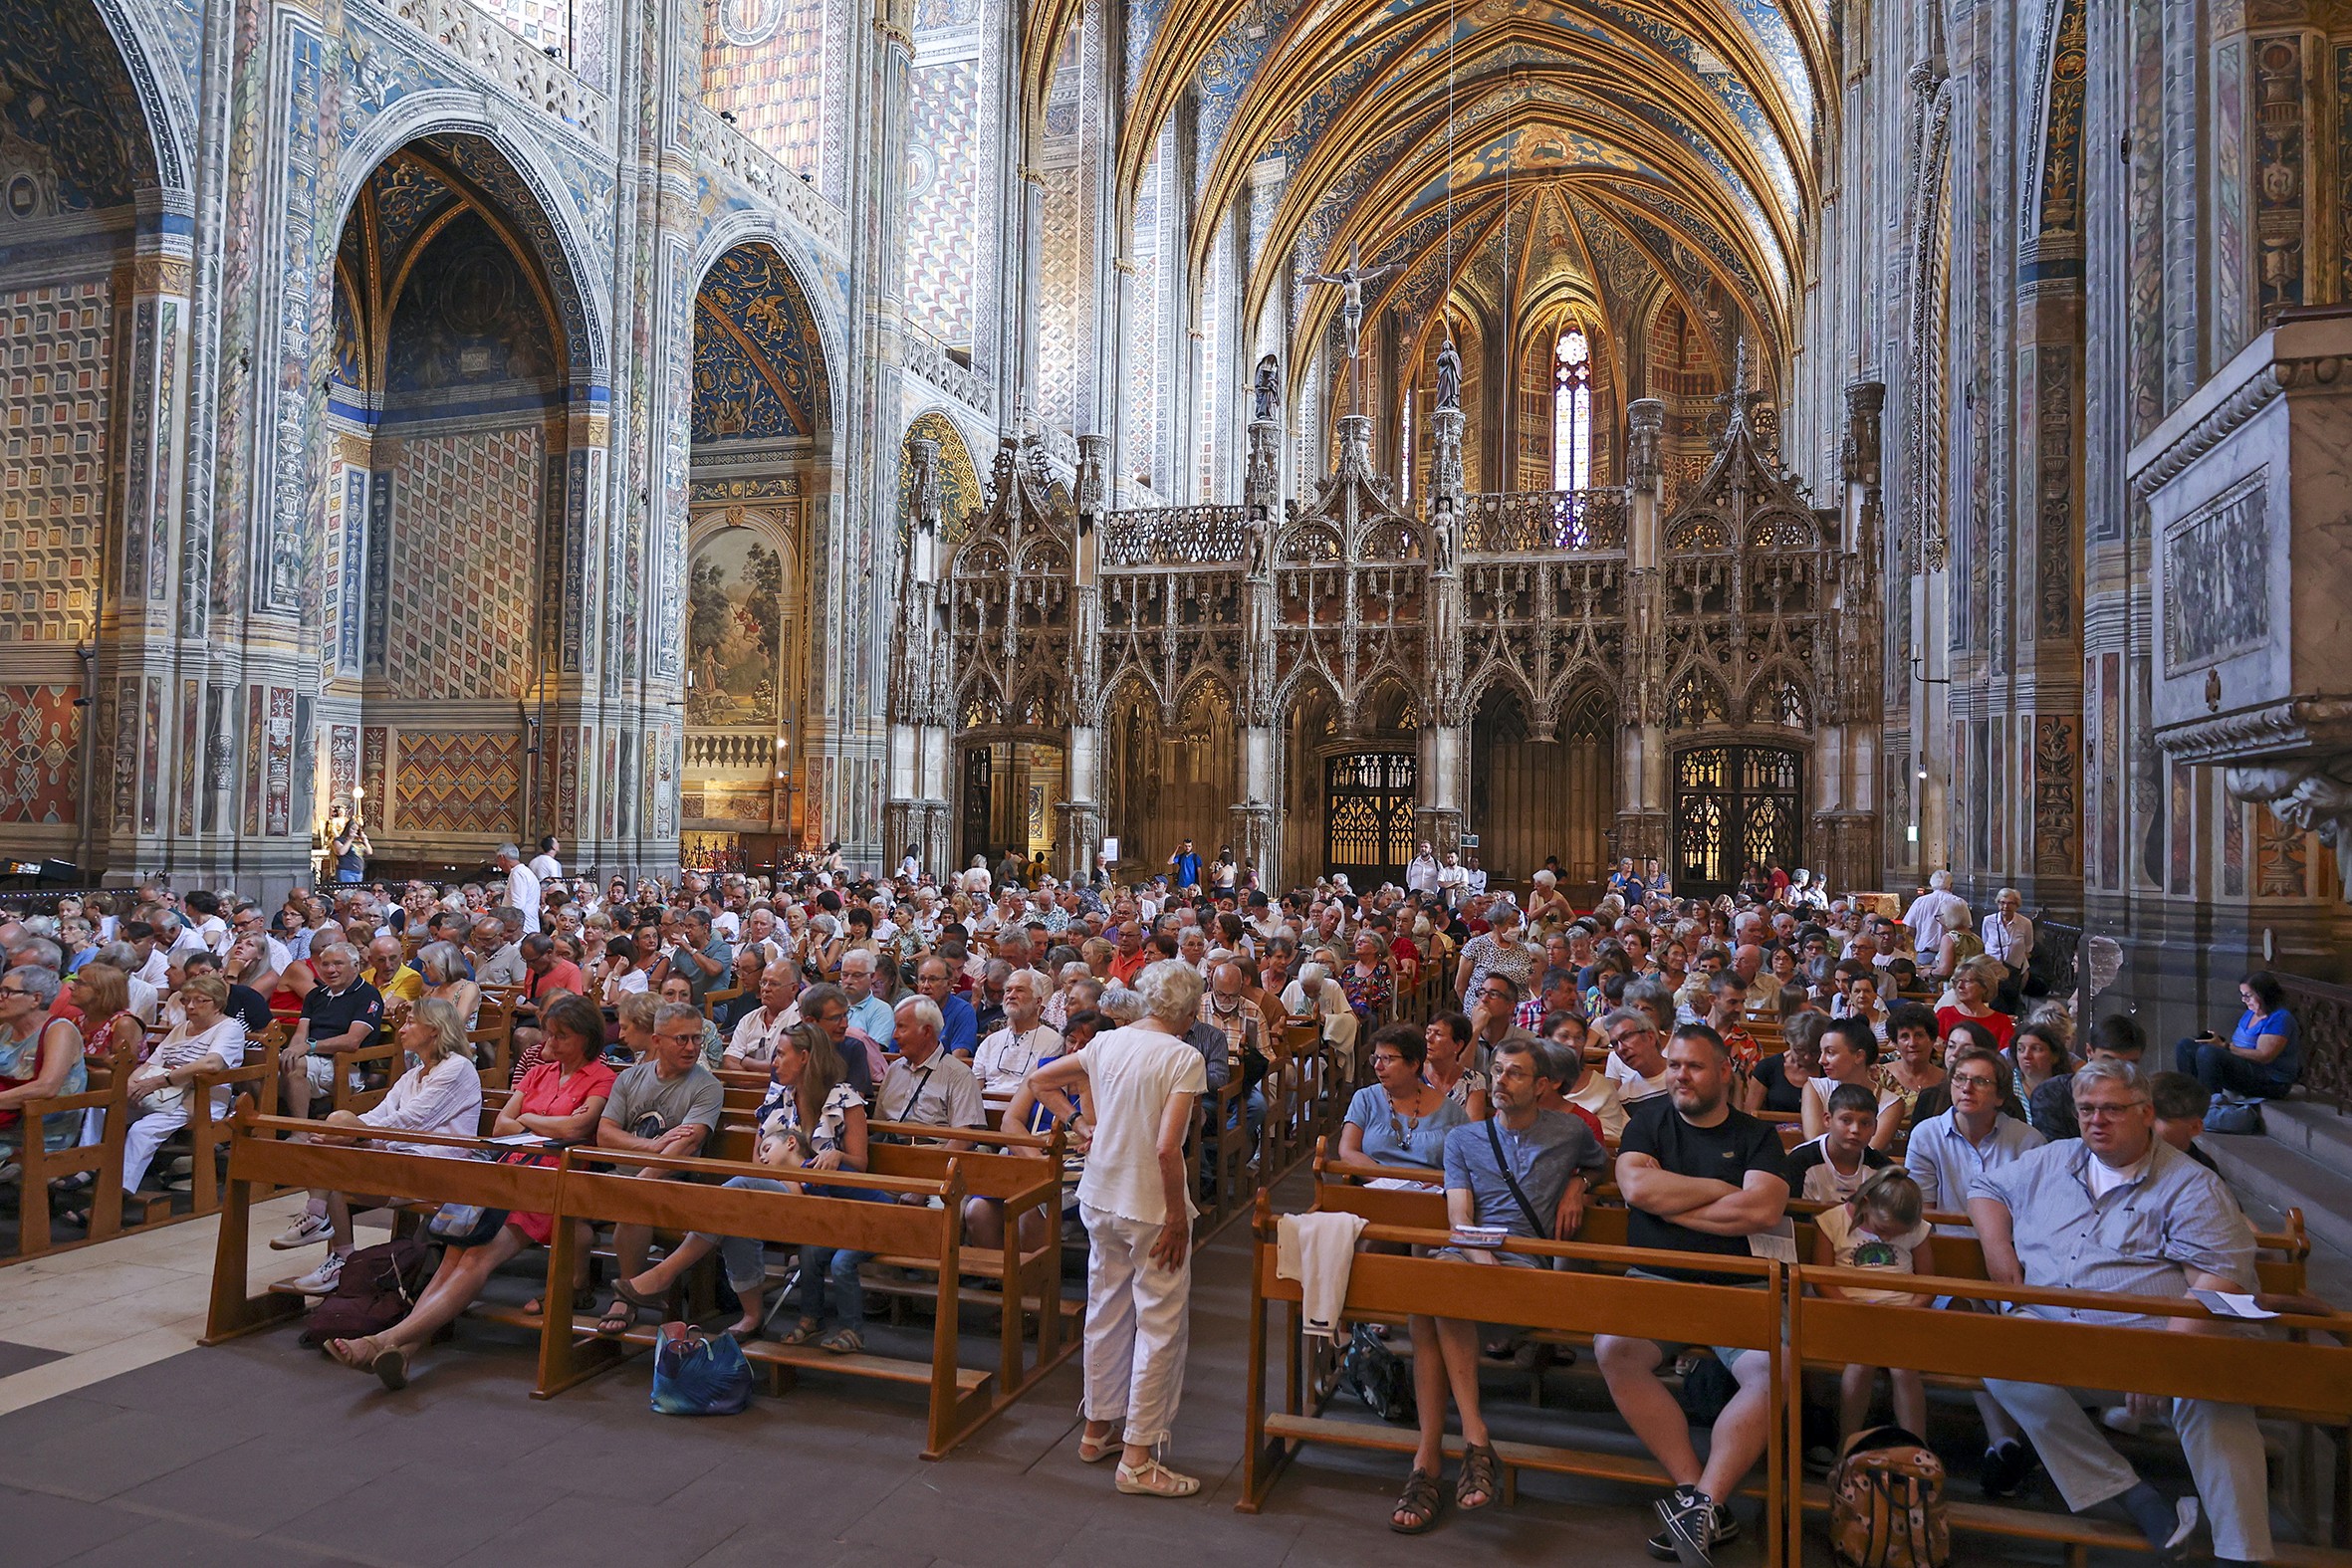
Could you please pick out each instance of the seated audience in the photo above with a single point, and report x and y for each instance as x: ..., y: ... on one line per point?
x: 777, y: 1014
x: 1947, y: 1151
x: 2116, y: 1038
x: 2263, y: 1054
x: 41, y: 1059
x: 1675, y: 1166
x: 1452, y: 1066
x: 668, y: 1104
x: 1528, y: 1171
x: 1779, y: 1083
x: 1006, y: 1058
x: 1400, y: 1118
x: 1978, y: 982
x: 2123, y: 1211
x: 340, y: 1014
x: 207, y: 1040
x: 1831, y: 1168
x: 442, y: 1094
x: 1849, y: 1055
x: 561, y: 1098
x: 1877, y: 1227
x: 925, y: 1085
x: 1636, y: 1065
x: 1909, y: 1067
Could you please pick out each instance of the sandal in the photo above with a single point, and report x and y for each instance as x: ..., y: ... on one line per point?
x: 391, y: 1367
x: 623, y: 1290
x: 583, y: 1300
x: 619, y: 1320
x: 1092, y: 1452
x: 802, y: 1332
x: 1153, y: 1479
x: 1417, y: 1504
x: 1479, y: 1469
x: 358, y: 1354
x: 843, y: 1341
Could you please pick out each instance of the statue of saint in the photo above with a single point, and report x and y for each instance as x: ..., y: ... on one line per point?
x: 1448, y: 374
x: 1268, y: 391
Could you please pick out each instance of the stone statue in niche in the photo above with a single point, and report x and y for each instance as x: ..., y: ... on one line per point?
x: 1448, y: 374
x: 1267, y: 392
x: 1253, y: 539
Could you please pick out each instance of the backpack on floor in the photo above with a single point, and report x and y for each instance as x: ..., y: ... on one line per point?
x: 1378, y: 1375
x: 1886, y: 1503
x: 379, y: 1286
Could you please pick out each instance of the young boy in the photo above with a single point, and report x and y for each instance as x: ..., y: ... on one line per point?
x: 1832, y: 1167
x: 1879, y: 1229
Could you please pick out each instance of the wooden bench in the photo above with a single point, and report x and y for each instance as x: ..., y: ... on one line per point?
x: 39, y: 1164
x: 961, y: 1399
x: 2280, y: 1374
x: 1389, y: 1285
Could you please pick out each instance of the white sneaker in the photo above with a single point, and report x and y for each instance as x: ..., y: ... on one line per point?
x: 321, y: 1281
x: 305, y: 1228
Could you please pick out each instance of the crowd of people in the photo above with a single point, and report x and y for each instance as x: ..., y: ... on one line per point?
x: 1610, y: 1045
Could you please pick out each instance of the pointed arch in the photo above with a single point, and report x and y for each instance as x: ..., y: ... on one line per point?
x: 1697, y: 700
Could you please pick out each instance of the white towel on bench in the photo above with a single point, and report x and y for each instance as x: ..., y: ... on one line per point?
x: 1318, y: 1250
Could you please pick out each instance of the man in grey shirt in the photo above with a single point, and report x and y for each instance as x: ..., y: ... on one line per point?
x: 2122, y: 1210
x: 1554, y: 1161
x: 667, y: 1104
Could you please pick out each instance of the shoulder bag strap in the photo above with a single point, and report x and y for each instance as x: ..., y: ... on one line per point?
x: 1541, y: 1227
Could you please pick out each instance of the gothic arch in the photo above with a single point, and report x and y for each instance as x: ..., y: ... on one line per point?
x: 961, y: 495
x: 168, y: 106
x: 519, y: 179
x: 1697, y: 700
x: 764, y: 229
x: 1779, y: 695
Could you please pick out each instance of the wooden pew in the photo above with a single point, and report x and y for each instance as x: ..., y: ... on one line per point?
x: 106, y: 1094
x: 1386, y: 1285
x: 2288, y: 1375
x: 960, y: 1399
x: 263, y: 1158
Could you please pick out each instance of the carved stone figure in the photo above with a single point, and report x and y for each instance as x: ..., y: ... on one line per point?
x: 1350, y: 282
x: 1268, y: 391
x: 1448, y: 374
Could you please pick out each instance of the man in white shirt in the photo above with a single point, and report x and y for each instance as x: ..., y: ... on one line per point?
x: 545, y: 865
x: 1011, y: 1054
x: 777, y: 1013
x: 1478, y: 877
x: 1453, y: 881
x: 1139, y: 1083
x: 2008, y: 934
x: 522, y: 887
x: 1422, y: 874
x: 1935, y: 911
x: 1636, y: 1065
x: 925, y: 1084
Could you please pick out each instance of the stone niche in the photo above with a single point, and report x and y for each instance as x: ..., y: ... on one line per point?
x: 2248, y: 495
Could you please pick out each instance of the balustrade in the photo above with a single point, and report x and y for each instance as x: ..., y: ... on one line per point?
x: 706, y: 751
x: 1173, y: 537
x: 766, y: 175
x: 1523, y: 522
x: 485, y: 42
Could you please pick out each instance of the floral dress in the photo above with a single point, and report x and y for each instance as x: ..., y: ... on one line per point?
x: 1370, y: 993
x: 780, y: 1113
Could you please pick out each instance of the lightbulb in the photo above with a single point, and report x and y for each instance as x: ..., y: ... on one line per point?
x: 358, y: 792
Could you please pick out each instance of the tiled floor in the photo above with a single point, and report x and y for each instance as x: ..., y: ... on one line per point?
x: 130, y: 1447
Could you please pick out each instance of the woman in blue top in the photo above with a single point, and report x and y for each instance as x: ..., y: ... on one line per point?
x: 2262, y: 1057
x: 1401, y: 1119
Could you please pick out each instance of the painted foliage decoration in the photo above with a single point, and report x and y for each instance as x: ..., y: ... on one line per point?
x: 759, y: 370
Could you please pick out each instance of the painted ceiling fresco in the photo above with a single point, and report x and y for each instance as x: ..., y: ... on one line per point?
x: 759, y: 370
x: 66, y: 98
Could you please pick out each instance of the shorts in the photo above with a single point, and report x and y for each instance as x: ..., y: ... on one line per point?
x: 1729, y: 1355
x: 320, y: 1070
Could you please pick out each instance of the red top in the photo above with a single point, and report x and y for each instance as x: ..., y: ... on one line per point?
x: 561, y: 974
x: 1998, y: 1024
x: 544, y: 1091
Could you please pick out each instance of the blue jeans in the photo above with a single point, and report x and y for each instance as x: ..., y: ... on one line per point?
x: 745, y: 1260
x: 2222, y: 1070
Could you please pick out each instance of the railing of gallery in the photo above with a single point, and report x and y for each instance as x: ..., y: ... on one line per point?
x: 1524, y: 522
x: 1173, y: 537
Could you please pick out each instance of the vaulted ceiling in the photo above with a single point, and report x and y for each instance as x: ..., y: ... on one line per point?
x: 1685, y: 134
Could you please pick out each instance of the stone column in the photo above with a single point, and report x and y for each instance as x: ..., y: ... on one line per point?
x: 1078, y: 821
x: 1443, y: 776
x: 915, y: 810
x: 1255, y: 821
x: 1642, y: 782
x: 1846, y: 744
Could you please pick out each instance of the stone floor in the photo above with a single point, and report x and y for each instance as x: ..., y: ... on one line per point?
x: 122, y: 1442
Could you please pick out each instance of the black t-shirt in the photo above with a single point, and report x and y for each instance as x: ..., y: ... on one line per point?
x: 1781, y: 1096
x: 331, y: 1016
x: 1725, y: 1152
x: 251, y: 1006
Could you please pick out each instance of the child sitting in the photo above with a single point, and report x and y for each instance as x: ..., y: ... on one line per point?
x: 1832, y: 1167
x: 1878, y: 1228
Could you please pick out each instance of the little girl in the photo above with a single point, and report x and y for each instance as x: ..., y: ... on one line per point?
x: 1878, y: 1228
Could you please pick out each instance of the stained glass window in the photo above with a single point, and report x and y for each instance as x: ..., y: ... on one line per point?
x: 1571, y: 411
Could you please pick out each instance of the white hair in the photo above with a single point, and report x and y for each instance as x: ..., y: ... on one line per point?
x: 1171, y: 992
x: 922, y: 1010
x: 1120, y: 1005
x: 1941, y: 881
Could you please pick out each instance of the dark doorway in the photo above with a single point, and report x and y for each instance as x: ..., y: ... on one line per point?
x: 1368, y: 815
x: 979, y: 782
x: 1734, y: 805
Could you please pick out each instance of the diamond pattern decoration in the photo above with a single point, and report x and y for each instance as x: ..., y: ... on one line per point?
x: 465, y: 530
x: 464, y: 782
x: 40, y: 750
x: 53, y: 457
x: 942, y: 198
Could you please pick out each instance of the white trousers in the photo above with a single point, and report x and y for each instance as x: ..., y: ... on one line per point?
x: 1138, y: 1325
x: 145, y: 1137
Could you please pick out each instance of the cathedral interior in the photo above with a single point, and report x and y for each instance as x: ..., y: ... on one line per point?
x: 1874, y: 435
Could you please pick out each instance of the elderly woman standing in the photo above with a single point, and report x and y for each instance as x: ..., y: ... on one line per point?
x: 1140, y: 1084
x: 442, y: 1094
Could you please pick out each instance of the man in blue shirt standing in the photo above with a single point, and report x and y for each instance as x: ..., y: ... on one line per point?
x: 1187, y: 864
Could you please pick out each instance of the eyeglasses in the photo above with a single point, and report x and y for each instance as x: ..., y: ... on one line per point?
x: 14, y: 990
x: 1974, y: 1080
x: 2102, y: 1110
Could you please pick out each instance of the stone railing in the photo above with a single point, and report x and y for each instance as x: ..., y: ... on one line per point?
x: 489, y: 47
x: 745, y: 753
x: 928, y: 358
x: 1173, y: 537
x: 1523, y: 522
x: 765, y: 175
x: 2324, y: 1013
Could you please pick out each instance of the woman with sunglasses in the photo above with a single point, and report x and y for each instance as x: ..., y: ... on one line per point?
x: 1400, y: 1118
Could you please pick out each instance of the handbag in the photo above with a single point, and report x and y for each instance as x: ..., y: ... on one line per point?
x: 695, y: 1374
x: 465, y: 1225
x: 2232, y: 1114
x: 1378, y: 1375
